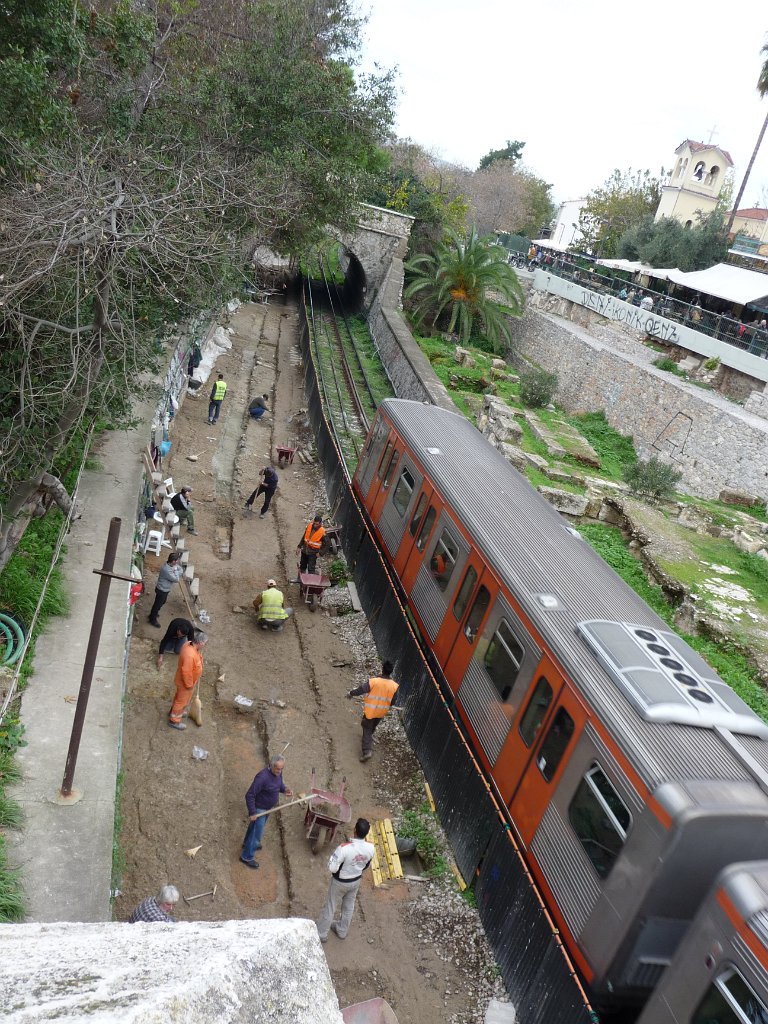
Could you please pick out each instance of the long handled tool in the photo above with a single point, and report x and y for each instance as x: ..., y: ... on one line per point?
x: 282, y: 807
x: 188, y: 899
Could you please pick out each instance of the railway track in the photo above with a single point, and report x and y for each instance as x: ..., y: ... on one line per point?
x: 350, y: 374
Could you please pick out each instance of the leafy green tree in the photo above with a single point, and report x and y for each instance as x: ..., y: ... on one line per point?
x: 762, y: 88
x: 511, y: 153
x: 626, y: 198
x: 667, y: 243
x: 153, y: 151
x: 654, y: 478
x: 464, y: 287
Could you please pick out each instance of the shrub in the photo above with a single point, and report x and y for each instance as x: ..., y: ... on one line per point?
x: 712, y: 364
x: 665, y: 363
x: 653, y: 477
x: 338, y: 572
x: 537, y: 388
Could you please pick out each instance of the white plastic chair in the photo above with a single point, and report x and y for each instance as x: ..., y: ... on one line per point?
x: 153, y: 541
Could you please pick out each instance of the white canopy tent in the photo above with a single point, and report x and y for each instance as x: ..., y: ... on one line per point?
x: 723, y: 281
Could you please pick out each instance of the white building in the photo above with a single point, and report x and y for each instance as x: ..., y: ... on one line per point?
x: 566, y: 230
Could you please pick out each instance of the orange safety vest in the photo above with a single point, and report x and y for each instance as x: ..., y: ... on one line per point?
x: 378, y: 699
x: 314, y: 541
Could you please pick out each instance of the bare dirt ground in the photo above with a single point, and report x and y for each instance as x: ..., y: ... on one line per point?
x: 417, y: 944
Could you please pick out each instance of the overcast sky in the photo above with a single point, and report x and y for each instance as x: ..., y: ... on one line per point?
x: 588, y: 86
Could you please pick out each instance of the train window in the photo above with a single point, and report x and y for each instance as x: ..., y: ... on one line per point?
x: 384, y: 460
x: 418, y: 515
x: 391, y: 467
x: 600, y: 819
x: 402, y: 493
x: 503, y: 657
x: 730, y: 1000
x: 555, y: 744
x: 426, y: 528
x: 536, y: 711
x: 465, y: 592
x: 476, y: 613
x: 443, y: 560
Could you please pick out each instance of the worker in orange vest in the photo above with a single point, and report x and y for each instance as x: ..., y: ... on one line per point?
x: 188, y: 675
x: 379, y: 693
x: 310, y: 544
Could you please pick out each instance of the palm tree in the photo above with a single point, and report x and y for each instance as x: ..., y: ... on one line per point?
x: 467, y: 285
x: 762, y: 88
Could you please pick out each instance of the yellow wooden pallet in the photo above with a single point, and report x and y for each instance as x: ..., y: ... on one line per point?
x: 386, y: 864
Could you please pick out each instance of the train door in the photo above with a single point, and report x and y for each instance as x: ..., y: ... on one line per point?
x: 372, y: 453
x: 458, y: 639
x: 396, y: 513
x: 438, y: 573
x: 409, y: 555
x: 556, y: 741
x: 385, y: 474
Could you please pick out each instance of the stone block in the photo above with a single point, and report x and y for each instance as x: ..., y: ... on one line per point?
x: 499, y: 364
x: 565, y: 501
x: 734, y: 497
x: 234, y: 972
x: 463, y: 357
x: 500, y: 1013
x: 536, y: 460
x: 189, y: 572
x: 499, y: 420
x: 194, y: 587
x: 497, y: 374
x: 516, y: 456
x: 690, y: 364
x: 746, y: 542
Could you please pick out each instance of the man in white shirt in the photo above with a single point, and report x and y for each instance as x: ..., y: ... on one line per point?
x: 347, y: 864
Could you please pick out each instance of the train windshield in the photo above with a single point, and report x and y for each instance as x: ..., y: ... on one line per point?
x: 730, y: 1000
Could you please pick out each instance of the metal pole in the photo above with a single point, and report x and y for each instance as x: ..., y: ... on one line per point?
x: 90, y: 656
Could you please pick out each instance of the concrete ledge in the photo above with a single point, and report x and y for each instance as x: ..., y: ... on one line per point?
x: 232, y: 972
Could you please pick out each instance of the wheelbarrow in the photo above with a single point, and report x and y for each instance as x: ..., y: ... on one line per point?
x: 326, y: 811
x: 332, y: 537
x: 311, y: 588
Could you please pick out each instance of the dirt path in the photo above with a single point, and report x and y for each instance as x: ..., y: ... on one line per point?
x: 408, y: 942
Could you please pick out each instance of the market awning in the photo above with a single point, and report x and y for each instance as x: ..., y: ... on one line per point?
x: 723, y: 281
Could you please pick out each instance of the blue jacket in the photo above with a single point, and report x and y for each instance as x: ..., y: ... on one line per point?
x: 265, y: 791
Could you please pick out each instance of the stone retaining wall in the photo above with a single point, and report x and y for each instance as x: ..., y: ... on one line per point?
x: 408, y: 368
x: 713, y: 442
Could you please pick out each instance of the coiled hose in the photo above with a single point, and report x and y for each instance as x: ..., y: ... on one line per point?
x: 13, y: 634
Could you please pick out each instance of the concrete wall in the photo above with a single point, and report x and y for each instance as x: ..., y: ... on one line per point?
x: 667, y: 331
x: 408, y: 368
x: 714, y: 443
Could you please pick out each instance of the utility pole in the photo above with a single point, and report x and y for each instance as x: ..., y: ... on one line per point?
x: 66, y: 794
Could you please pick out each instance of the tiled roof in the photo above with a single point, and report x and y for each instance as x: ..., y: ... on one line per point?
x: 753, y: 213
x: 700, y: 147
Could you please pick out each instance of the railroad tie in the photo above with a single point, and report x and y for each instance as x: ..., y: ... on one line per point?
x: 386, y: 864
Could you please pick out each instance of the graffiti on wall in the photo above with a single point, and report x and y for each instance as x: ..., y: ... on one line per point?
x: 626, y: 313
x: 673, y: 438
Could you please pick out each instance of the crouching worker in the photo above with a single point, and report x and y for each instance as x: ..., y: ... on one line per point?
x: 269, y: 606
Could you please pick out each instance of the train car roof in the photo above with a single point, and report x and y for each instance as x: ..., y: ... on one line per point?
x: 663, y: 704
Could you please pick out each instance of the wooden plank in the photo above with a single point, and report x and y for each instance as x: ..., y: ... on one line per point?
x: 430, y: 798
x: 386, y: 864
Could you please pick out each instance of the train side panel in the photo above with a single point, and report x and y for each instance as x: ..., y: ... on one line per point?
x: 720, y: 971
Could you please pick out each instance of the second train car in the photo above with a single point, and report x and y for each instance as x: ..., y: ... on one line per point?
x: 630, y: 772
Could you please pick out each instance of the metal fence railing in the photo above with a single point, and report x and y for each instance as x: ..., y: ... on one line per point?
x: 749, y: 336
x: 533, y: 962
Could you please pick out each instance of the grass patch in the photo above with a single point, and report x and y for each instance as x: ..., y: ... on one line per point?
x: 420, y: 825
x: 614, y: 449
x: 12, y: 906
x: 536, y: 478
x: 732, y: 666
x: 751, y: 571
x: 118, y: 854
x: 339, y: 572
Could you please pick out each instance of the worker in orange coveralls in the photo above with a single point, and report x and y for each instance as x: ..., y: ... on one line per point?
x: 188, y: 675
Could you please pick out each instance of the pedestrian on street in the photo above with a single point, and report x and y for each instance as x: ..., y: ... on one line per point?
x: 379, y: 692
x: 177, y: 634
x: 258, y: 407
x: 218, y: 391
x: 270, y: 607
x: 347, y: 864
x: 157, y: 908
x: 309, y: 545
x: 181, y: 504
x: 170, y: 573
x: 267, y: 486
x: 189, y: 671
x: 263, y: 795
